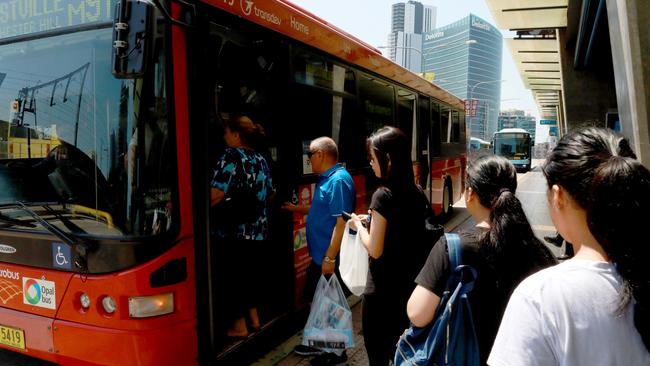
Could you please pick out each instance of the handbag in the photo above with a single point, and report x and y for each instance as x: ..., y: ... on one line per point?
x: 451, y: 338
x: 353, y: 264
x: 240, y: 205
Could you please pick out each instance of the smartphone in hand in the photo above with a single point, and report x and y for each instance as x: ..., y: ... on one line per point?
x: 346, y: 215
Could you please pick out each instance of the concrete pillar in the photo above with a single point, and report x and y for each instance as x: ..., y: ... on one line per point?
x: 588, y: 94
x: 630, y: 41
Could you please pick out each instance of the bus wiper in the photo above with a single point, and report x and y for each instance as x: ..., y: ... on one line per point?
x: 49, y: 227
x: 78, y: 246
x: 14, y: 222
x: 75, y: 229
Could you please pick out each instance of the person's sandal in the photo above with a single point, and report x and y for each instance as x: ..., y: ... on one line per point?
x: 237, y: 334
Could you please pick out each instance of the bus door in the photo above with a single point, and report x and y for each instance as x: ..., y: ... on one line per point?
x: 242, y: 72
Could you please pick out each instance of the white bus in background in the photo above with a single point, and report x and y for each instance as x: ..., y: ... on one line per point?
x: 515, y: 144
x: 476, y: 144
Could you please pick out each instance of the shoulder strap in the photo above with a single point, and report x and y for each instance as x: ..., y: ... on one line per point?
x: 239, y: 168
x: 453, y: 246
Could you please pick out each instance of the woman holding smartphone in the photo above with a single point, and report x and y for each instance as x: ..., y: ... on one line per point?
x: 394, y: 241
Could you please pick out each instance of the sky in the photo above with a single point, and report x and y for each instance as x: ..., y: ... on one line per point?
x: 369, y: 20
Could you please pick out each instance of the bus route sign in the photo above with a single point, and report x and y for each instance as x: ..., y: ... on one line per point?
x: 20, y: 17
x: 470, y: 107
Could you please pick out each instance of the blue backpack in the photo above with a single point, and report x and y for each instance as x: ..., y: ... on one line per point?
x: 450, y: 339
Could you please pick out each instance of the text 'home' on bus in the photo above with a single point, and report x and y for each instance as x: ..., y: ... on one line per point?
x: 105, y: 218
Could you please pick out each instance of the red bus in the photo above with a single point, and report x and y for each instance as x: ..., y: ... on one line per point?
x: 105, y: 248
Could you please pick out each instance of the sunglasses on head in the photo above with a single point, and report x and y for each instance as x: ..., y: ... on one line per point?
x: 310, y: 153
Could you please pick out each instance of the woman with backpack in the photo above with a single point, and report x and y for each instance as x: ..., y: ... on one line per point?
x: 502, y: 248
x: 393, y: 241
x: 593, y: 309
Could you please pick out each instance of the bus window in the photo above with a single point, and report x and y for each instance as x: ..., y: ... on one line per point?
x: 445, y: 124
x: 312, y: 70
x: 377, y: 100
x: 436, y: 130
x: 248, y: 67
x: 406, y: 117
x: 462, y: 132
x: 454, y: 135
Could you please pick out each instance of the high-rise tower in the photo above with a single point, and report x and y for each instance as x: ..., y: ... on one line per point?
x: 408, y: 22
x: 466, y: 59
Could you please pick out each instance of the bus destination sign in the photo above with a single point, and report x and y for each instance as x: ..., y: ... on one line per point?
x: 20, y: 17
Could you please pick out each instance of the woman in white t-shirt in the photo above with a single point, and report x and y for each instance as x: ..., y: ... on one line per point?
x: 593, y: 309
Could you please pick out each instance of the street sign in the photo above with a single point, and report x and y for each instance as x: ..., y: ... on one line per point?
x: 470, y: 107
x: 548, y: 122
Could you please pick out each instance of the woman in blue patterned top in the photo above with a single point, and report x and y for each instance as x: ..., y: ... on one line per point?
x: 240, y: 189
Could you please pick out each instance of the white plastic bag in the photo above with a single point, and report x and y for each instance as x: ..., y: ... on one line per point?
x: 354, y: 262
x: 329, y: 326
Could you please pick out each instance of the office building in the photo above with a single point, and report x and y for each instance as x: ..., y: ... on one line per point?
x: 517, y: 119
x: 408, y: 22
x: 466, y: 59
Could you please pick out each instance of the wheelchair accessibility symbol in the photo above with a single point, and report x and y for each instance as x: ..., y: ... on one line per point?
x: 61, y: 256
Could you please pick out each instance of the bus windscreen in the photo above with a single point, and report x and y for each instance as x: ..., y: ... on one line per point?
x: 512, y: 145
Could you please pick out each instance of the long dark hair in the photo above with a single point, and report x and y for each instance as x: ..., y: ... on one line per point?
x: 599, y: 170
x: 512, y: 249
x: 393, y: 152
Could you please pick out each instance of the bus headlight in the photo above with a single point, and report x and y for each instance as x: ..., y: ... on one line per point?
x: 108, y: 303
x: 84, y: 300
x: 148, y: 306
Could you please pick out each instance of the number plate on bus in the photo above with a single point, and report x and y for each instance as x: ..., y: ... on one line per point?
x: 12, y: 337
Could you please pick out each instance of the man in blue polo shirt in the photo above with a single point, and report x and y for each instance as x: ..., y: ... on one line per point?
x: 334, y: 194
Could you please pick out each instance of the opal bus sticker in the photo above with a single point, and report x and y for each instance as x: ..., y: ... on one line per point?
x: 39, y: 293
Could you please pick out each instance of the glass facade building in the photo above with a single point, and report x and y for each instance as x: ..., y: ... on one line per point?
x: 466, y: 59
x: 517, y: 119
x: 408, y: 22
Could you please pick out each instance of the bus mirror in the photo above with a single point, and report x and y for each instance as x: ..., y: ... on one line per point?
x: 132, y: 34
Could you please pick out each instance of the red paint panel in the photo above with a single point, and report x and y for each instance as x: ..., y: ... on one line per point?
x: 38, y: 333
x: 361, y: 197
x: 130, y: 283
x: 169, y: 344
x: 179, y: 63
